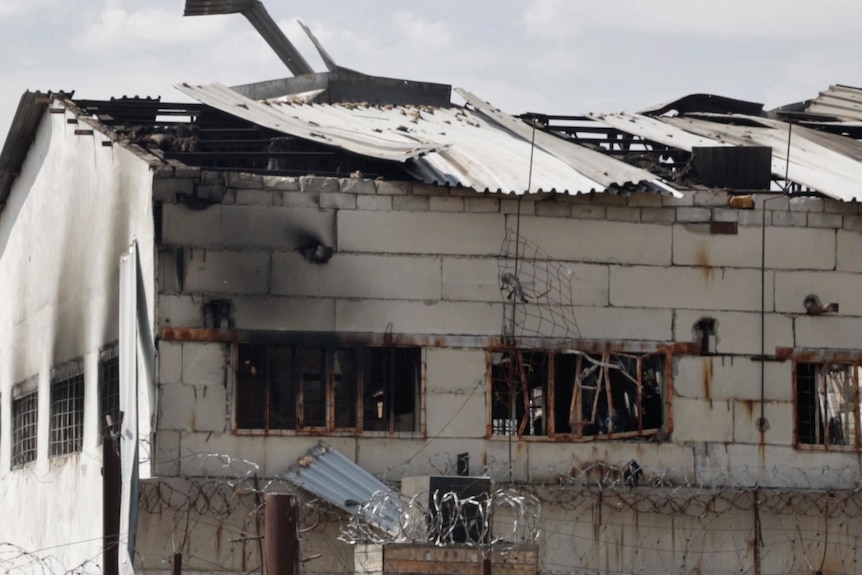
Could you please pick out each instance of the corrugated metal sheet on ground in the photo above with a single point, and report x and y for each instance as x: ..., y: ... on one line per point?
x: 447, y: 146
x: 327, y: 473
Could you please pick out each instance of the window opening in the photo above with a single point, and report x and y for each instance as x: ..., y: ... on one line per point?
x: 706, y: 335
x: 67, y: 415
x: 297, y: 388
x: 577, y: 394
x: 25, y: 417
x: 827, y: 404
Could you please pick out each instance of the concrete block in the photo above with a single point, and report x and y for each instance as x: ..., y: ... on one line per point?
x: 170, y: 362
x: 606, y: 199
x: 853, y: 223
x: 387, y: 188
x: 320, y: 185
x: 420, y: 233
x: 738, y: 332
x: 483, y: 205
x: 781, y: 466
x: 791, y: 289
x: 211, y: 410
x: 804, y: 204
x: 849, y: 255
x: 228, y: 197
x: 732, y: 378
x: 357, y: 276
x: 646, y: 200
x: 688, y: 288
x: 420, y: 189
x: 243, y: 180
x: 824, y: 220
x: 600, y: 241
x: 828, y: 331
x: 467, y: 318
x: 702, y: 420
x: 772, y: 202
x: 710, y: 198
x: 284, y: 314
x: 212, y: 271
x: 698, y: 214
x: 589, y: 212
x: 166, y: 189
x: 623, y: 214
x: 813, y: 248
x: 553, y: 209
x: 358, y: 186
x: 725, y: 215
x: 446, y: 204
x: 779, y: 414
x: 617, y: 324
x: 455, y: 393
x: 751, y: 218
x: 283, y: 183
x: 180, y: 311
x: 658, y: 215
x: 168, y: 277
x: 687, y: 199
x: 300, y: 199
x: 253, y: 197
x: 374, y: 203
x: 166, y: 454
x: 247, y: 226
x: 205, y: 364
x: 177, y: 407
x: 839, y: 207
x: 410, y: 203
x: 461, y: 192
x: 527, y: 206
x: 337, y: 201
x: 792, y: 219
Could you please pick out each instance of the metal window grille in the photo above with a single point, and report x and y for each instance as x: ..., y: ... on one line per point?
x: 109, y: 394
x: 67, y: 415
x: 25, y: 414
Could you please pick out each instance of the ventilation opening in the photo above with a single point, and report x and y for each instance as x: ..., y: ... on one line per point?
x: 706, y: 335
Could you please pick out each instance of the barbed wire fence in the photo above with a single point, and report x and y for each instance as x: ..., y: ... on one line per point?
x: 584, y: 518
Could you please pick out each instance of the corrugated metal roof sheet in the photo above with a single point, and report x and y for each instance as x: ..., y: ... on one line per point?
x: 815, y: 161
x: 442, y: 145
x: 843, y: 102
x: 327, y: 473
x: 654, y: 130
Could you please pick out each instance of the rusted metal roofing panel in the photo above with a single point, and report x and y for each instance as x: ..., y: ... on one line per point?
x: 815, y: 160
x: 327, y: 473
x: 442, y: 145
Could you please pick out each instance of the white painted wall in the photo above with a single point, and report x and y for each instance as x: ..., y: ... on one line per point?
x: 76, y: 206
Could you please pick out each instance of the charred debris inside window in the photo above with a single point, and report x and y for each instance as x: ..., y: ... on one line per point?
x: 200, y: 136
x: 328, y: 389
x: 572, y: 394
x: 828, y: 405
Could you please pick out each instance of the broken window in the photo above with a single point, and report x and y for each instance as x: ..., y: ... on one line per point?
x: 109, y: 394
x: 827, y: 404
x: 328, y: 389
x: 576, y: 394
x: 25, y: 418
x: 67, y: 414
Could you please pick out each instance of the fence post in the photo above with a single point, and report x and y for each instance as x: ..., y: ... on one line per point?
x: 281, y: 534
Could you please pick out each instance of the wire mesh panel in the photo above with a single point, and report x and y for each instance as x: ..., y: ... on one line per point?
x: 109, y: 394
x: 25, y: 412
x: 67, y: 415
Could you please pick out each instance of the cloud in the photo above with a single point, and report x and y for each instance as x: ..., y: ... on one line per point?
x: 118, y: 27
x: 764, y: 19
x: 418, y: 31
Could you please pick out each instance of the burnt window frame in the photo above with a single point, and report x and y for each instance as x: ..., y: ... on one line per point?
x: 355, y: 363
x: 549, y: 412
x: 109, y: 389
x: 66, y: 411
x: 24, y: 448
x: 811, y: 434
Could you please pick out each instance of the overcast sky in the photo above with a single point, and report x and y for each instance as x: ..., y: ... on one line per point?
x: 553, y: 56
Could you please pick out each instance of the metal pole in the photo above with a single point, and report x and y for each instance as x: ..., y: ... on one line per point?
x: 177, y: 564
x: 111, y: 478
x: 281, y: 534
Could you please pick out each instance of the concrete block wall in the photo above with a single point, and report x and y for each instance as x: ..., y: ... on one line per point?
x: 415, y: 259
